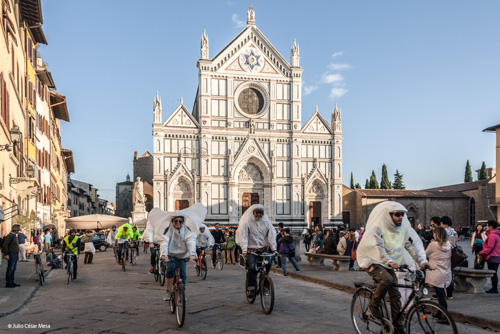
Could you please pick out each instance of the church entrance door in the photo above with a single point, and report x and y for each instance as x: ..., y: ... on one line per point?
x: 248, y: 200
x: 181, y: 204
x: 314, y: 213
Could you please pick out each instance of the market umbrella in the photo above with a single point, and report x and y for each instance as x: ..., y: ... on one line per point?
x: 94, y: 222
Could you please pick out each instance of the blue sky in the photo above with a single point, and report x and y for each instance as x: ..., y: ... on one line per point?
x: 417, y: 82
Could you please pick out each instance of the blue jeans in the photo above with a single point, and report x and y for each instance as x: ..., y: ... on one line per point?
x: 283, y: 263
x: 252, y: 269
x: 11, y: 267
x: 173, y: 264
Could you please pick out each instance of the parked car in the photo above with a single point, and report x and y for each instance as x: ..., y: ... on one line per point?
x: 99, y: 240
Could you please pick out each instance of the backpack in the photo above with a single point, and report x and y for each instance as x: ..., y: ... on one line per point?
x: 291, y: 250
x: 457, y: 256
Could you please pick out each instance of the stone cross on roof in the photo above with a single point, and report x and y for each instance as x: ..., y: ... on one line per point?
x: 251, y: 15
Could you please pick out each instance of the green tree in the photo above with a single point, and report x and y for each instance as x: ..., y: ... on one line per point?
x: 398, y: 181
x: 468, y: 173
x: 367, y: 184
x: 483, y: 172
x: 373, y: 181
x: 352, y: 181
x: 357, y: 186
x: 384, y: 182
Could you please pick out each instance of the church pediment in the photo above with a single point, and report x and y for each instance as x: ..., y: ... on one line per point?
x: 316, y: 175
x: 251, y: 53
x: 249, y: 149
x: 317, y: 124
x: 181, y: 171
x: 181, y: 117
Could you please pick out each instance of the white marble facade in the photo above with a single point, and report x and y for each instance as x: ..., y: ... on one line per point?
x: 244, y: 141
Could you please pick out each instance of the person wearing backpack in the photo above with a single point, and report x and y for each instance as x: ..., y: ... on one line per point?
x: 287, y: 251
x: 230, y: 245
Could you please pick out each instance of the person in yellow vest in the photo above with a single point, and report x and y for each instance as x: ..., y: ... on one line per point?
x: 122, y: 237
x: 136, y: 237
x: 71, y: 243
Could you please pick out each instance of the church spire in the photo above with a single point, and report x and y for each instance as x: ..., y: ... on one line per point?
x: 204, y: 45
x: 336, y: 118
x: 250, y: 15
x: 157, y: 108
x: 295, y: 54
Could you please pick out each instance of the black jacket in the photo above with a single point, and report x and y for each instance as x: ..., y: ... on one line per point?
x: 331, y: 246
x: 218, y: 236
x: 10, y: 244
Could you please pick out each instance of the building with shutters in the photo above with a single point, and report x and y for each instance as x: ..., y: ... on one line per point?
x: 244, y: 141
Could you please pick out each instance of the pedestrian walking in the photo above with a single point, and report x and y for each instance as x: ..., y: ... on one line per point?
x: 22, y: 245
x: 439, y: 254
x: 478, y: 238
x: 308, y: 239
x: 287, y: 250
x: 491, y: 251
x: 342, y: 245
x: 47, y: 241
x: 230, y: 246
x: 10, y: 249
x: 89, y: 247
x: 351, y: 247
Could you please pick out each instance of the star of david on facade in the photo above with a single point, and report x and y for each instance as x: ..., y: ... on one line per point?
x: 252, y: 60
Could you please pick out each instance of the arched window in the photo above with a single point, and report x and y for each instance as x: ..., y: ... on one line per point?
x: 472, y: 212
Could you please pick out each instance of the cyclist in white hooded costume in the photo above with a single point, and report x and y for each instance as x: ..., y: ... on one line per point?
x: 204, y: 239
x: 254, y: 234
x: 382, y: 249
x: 177, y: 242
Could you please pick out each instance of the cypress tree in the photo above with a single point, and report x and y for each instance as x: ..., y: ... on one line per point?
x: 483, y: 173
x: 468, y: 173
x: 384, y: 182
x: 398, y: 181
x: 357, y: 186
x: 373, y: 181
x: 367, y: 184
x: 352, y: 181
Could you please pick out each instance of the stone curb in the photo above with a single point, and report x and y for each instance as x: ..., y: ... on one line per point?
x: 492, y: 325
x: 26, y: 301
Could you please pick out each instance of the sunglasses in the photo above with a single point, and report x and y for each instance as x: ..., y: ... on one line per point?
x: 178, y: 221
x: 398, y: 214
x: 258, y: 212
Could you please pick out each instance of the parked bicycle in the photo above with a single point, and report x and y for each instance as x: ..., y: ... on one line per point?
x: 178, y: 300
x: 39, y: 268
x: 69, y: 257
x: 201, y: 264
x: 420, y: 314
x: 219, y: 256
x: 265, y: 285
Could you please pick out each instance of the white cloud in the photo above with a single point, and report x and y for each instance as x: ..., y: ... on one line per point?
x: 339, y: 67
x: 337, y: 54
x: 309, y: 89
x: 238, y: 23
x: 337, y: 92
x: 331, y: 78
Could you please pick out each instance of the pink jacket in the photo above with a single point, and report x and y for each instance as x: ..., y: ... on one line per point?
x: 491, y: 247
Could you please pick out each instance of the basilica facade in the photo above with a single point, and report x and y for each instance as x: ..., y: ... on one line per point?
x: 244, y: 141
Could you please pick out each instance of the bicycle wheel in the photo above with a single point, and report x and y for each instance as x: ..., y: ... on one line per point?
x: 250, y: 298
x: 267, y: 294
x: 133, y: 256
x: 70, y: 270
x: 162, y: 274
x: 156, y: 270
x: 172, y: 302
x: 180, y: 300
x: 429, y: 317
x: 362, y: 322
x: 204, y: 268
x: 220, y: 258
x: 124, y: 264
x: 197, y: 267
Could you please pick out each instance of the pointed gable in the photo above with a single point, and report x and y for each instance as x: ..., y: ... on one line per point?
x: 251, y: 148
x: 317, y: 124
x: 251, y: 52
x: 181, y: 117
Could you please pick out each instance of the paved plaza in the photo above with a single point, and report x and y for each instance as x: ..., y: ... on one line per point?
x: 105, y: 299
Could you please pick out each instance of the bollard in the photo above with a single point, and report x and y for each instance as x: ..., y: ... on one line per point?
x: 296, y: 243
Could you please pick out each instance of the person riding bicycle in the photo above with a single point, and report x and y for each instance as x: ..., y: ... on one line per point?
x: 388, y: 232
x: 72, y: 243
x: 219, y: 238
x: 204, y: 239
x: 122, y: 238
x: 177, y: 239
x: 136, y: 237
x: 255, y: 234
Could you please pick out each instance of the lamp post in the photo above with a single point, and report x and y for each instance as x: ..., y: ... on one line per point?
x: 15, y: 137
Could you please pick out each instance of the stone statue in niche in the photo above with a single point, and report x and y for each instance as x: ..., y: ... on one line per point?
x: 252, y: 126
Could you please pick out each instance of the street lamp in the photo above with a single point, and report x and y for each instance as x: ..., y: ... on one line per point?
x: 15, y: 137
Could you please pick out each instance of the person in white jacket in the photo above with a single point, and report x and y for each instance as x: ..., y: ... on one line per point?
x: 204, y: 239
x: 254, y: 235
x: 381, y: 250
x: 176, y: 233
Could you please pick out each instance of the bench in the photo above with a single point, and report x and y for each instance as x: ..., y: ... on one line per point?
x: 340, y: 262
x: 471, y: 280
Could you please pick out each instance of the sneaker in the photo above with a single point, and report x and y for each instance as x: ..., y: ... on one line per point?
x: 168, y: 296
x: 492, y: 291
x: 449, y: 298
x: 374, y: 312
